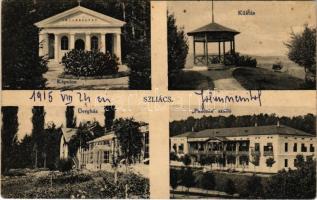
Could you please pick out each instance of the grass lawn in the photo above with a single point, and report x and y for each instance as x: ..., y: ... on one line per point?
x: 263, y: 79
x: 190, y: 80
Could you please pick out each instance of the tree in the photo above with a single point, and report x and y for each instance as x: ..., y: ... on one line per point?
x: 38, y: 120
x: 177, y: 49
x: 109, y: 112
x: 186, y: 160
x: 70, y: 119
x: 293, y: 184
x: 270, y: 162
x: 22, y: 67
x: 129, y: 138
x: 230, y: 187
x: 302, y: 49
x: 8, y: 136
x: 173, y: 179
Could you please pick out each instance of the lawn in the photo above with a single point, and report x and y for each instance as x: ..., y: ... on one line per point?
x: 190, y: 80
x: 74, y: 185
x: 263, y: 79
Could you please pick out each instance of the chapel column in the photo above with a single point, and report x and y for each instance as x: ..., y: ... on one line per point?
x: 103, y: 42
x: 117, y: 46
x: 56, y: 46
x: 71, y: 41
x: 43, y: 44
x: 87, y: 42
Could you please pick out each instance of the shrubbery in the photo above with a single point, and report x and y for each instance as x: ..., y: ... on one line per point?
x: 238, y: 60
x: 65, y: 165
x: 89, y: 63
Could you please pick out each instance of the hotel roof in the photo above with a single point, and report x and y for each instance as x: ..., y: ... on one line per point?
x: 245, y: 131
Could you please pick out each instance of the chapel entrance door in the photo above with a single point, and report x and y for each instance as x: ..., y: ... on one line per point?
x: 51, y: 41
x: 80, y: 44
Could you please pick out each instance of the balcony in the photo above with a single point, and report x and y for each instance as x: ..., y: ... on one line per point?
x: 268, y: 153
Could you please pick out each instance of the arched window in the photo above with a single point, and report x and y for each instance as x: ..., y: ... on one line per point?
x: 64, y: 43
x: 94, y: 43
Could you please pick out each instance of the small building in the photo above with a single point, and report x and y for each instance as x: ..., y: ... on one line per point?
x: 212, y: 33
x: 67, y: 134
x: 103, y: 150
x: 252, y: 149
x: 79, y: 28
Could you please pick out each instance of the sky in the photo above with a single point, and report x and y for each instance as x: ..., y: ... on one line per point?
x: 262, y: 34
x: 57, y: 115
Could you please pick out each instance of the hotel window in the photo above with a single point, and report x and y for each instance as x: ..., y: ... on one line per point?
x: 106, y: 156
x: 64, y: 43
x: 94, y: 43
x: 295, y: 147
x: 286, y: 147
x: 311, y: 148
x: 303, y: 148
x: 257, y: 147
x: 285, y: 163
x: 91, y: 157
x: 181, y: 148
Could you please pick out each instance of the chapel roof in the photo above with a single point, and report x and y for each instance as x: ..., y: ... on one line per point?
x: 245, y: 131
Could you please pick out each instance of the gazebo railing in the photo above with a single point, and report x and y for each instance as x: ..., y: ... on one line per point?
x: 212, y: 59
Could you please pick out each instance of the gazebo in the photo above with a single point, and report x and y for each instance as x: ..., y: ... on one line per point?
x: 212, y: 33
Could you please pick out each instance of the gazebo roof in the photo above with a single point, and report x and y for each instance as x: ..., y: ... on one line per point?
x: 212, y: 28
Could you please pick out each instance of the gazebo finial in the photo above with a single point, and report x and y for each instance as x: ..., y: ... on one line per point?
x: 212, y: 11
x: 78, y: 2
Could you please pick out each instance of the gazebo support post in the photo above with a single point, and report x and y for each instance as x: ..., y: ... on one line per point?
x: 219, y: 50
x: 231, y: 47
x: 224, y: 51
x: 194, y: 44
x: 234, y: 48
x: 206, y: 47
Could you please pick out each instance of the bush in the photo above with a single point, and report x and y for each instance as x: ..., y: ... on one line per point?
x: 63, y: 179
x: 89, y: 63
x: 206, y: 181
x: 238, y: 60
x: 64, y: 165
x: 230, y: 187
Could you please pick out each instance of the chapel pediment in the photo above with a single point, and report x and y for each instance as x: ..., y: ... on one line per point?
x: 79, y: 17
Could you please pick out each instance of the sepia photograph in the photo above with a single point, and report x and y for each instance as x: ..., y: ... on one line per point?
x: 74, y: 152
x: 241, y: 45
x: 76, y: 44
x: 265, y: 153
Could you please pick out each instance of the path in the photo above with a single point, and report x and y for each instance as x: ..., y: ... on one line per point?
x: 54, y: 82
x: 223, y: 79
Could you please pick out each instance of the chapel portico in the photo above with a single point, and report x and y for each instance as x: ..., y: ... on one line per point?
x: 79, y: 28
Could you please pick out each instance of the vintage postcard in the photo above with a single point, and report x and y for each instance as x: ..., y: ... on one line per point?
x: 141, y: 99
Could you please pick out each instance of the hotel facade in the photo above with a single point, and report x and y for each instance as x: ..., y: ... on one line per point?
x: 262, y: 149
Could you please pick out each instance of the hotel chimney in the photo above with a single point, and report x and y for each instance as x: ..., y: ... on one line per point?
x: 109, y: 112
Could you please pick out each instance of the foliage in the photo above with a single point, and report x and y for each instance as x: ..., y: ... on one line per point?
x: 270, y: 162
x: 22, y: 68
x: 299, y: 161
x: 173, y: 156
x: 186, y: 160
x: 206, y: 181
x: 89, y: 63
x: 38, y: 120
x: 70, y: 120
x: 238, y: 60
x: 177, y: 50
x: 173, y: 179
x: 302, y: 48
x: 109, y: 113
x: 230, y: 187
x: 9, y: 131
x: 255, y: 187
x: 188, y: 179
x: 65, y: 165
x: 130, y: 138
x: 294, y: 184
x: 65, y: 178
x: 305, y: 123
